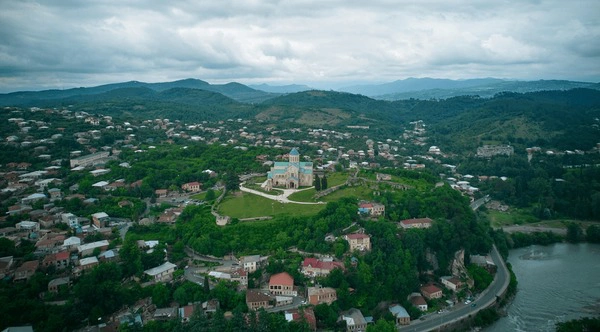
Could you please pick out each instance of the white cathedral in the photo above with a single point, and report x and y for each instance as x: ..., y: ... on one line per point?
x: 290, y: 174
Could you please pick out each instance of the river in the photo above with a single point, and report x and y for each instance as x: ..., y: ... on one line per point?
x: 556, y: 283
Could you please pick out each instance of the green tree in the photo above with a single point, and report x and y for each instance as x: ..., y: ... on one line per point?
x: 317, y: 183
x: 324, y: 182
x: 161, y: 296
x: 382, y: 325
x: 206, y: 285
x: 210, y: 195
x: 593, y: 234
x: 131, y: 256
x: 574, y: 233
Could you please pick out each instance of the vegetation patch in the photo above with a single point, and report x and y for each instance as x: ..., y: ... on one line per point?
x: 512, y: 217
x: 252, y: 206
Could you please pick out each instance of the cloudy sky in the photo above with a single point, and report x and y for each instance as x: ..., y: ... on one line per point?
x: 323, y: 43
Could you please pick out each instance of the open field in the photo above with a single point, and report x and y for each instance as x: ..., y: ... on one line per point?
x: 303, y: 196
x: 247, y: 205
x: 512, y: 217
x: 360, y: 192
x: 337, y: 178
x: 201, y: 196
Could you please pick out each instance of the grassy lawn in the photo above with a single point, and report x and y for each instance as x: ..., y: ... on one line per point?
x: 513, y: 217
x: 250, y: 206
x: 360, y: 192
x: 303, y: 196
x: 336, y: 178
x: 202, y: 195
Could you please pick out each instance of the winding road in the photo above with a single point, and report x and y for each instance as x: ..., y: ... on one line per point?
x: 461, y: 311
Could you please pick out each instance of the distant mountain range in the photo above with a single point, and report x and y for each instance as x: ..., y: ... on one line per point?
x: 235, y: 91
x: 435, y: 88
x: 291, y: 88
x: 410, y: 88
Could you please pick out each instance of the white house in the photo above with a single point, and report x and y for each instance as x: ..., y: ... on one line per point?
x: 162, y: 272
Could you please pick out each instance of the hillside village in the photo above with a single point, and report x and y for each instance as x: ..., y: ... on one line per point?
x: 68, y: 201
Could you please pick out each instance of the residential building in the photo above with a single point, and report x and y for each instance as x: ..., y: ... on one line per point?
x: 186, y: 312
x: 355, y: 321
x: 26, y: 270
x: 318, y: 295
x: 307, y: 314
x: 71, y: 243
x: 100, y: 219
x: 484, y: 261
x: 431, y: 292
x: 161, y: 193
x: 88, y: 248
x: 416, y: 223
x: 59, y: 260
x: 88, y: 263
x: 314, y: 267
x: 165, y: 313
x: 5, y: 265
x: 400, y: 314
x: 192, y: 186
x: 162, y: 272
x: 282, y: 284
x: 290, y: 174
x: 256, y: 299
x: 90, y: 159
x: 452, y: 283
x: 29, y: 226
x: 252, y: 263
x: 419, y: 302
x: 358, y: 241
x: 55, y: 284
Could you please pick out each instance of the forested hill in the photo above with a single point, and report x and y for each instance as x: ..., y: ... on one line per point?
x: 550, y: 119
x: 557, y: 119
x: 236, y: 91
x: 141, y: 102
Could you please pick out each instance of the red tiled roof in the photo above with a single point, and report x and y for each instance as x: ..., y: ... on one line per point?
x: 188, y: 311
x: 316, y: 263
x: 62, y: 255
x: 357, y: 236
x: 418, y: 300
x: 430, y: 289
x: 417, y: 221
x: 282, y: 278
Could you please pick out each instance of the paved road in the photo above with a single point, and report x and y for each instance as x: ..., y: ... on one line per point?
x: 486, y: 299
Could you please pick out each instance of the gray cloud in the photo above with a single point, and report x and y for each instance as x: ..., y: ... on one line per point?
x: 61, y: 44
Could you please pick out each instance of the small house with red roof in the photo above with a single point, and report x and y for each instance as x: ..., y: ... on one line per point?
x: 431, y: 292
x: 282, y: 284
x: 307, y: 314
x: 60, y: 260
x: 314, y: 267
x: 192, y: 186
x: 419, y: 302
x: 26, y: 270
x: 358, y: 241
x: 416, y: 223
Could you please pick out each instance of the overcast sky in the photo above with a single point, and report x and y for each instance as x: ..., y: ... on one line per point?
x: 323, y: 43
